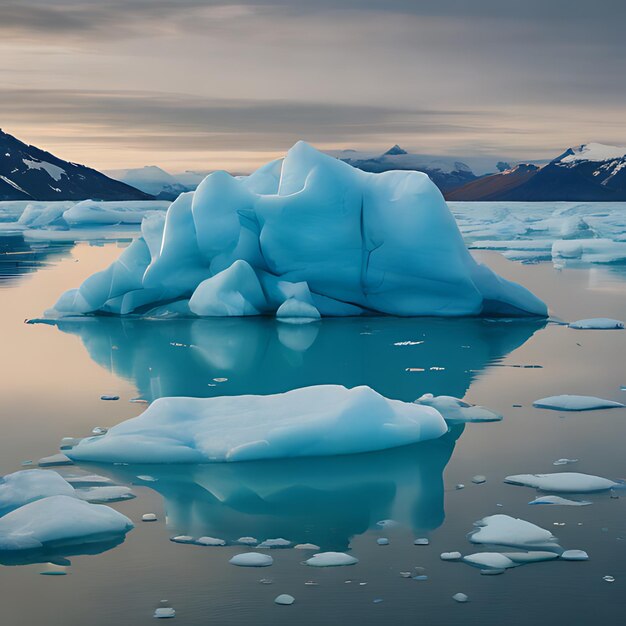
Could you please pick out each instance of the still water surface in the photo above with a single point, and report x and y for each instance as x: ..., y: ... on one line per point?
x: 53, y: 377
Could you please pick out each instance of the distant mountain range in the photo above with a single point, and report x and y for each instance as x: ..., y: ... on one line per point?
x: 591, y: 172
x: 446, y: 173
x: 28, y: 173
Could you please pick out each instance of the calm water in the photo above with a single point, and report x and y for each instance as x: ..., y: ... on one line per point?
x: 52, y: 379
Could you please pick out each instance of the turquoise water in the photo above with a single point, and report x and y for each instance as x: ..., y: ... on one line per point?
x: 53, y: 377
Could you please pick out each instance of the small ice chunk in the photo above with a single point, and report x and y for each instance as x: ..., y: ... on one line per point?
x: 68, y: 442
x: 575, y: 403
x: 108, y: 397
x: 460, y: 597
x: 450, y: 556
x: 147, y: 479
x: 479, y: 479
x: 382, y: 541
x: 331, y: 559
x: 458, y: 411
x: 535, y: 556
x: 574, y: 555
x: 493, y: 560
x: 510, y: 531
x: 88, y: 480
x: 182, y: 539
x: 210, y: 541
x: 252, y: 559
x: 564, y: 461
x: 564, y: 482
x: 275, y: 543
x: 248, y: 541
x: 459, y: 486
x: 559, y: 501
x: 285, y: 599
x: 52, y: 569
x: 306, y: 546
x: 421, y: 541
x: 597, y: 323
x: 54, y: 460
x: 406, y: 574
x: 148, y: 517
x: 420, y: 577
x: 164, y: 612
x: 99, y: 430
x: 108, y: 493
x: 608, y: 579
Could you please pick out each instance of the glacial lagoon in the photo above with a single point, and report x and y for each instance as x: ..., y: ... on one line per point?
x: 57, y: 373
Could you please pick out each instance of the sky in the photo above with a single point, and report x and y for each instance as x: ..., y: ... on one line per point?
x: 205, y: 84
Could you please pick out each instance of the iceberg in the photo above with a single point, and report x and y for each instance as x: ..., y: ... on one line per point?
x: 26, y: 486
x: 575, y: 403
x: 59, y: 520
x: 302, y: 237
x: 564, y: 482
x: 312, y: 421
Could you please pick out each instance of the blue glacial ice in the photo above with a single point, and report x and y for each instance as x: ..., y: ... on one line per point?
x: 311, y: 421
x: 304, y: 236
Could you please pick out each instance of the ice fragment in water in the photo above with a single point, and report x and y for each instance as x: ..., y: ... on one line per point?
x: 460, y: 597
x: 251, y: 559
x: 564, y: 461
x: 458, y: 411
x: 148, y: 517
x: 107, y: 397
x: 510, y: 531
x: 210, y: 541
x: 107, y: 493
x: 609, y: 579
x: 382, y: 541
x: 99, y: 430
x: 574, y: 555
x: 559, y: 501
x: 164, y: 612
x: 575, y: 403
x: 479, y: 479
x: 248, y: 541
x: 182, y: 539
x: 564, y: 482
x: 284, y: 599
x: 54, y: 460
x: 598, y: 323
x: 331, y: 559
x: 52, y: 569
x: 421, y: 541
x: 275, y: 543
x: 306, y: 546
x: 450, y: 556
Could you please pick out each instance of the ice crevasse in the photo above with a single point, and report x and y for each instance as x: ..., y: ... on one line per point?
x: 302, y: 237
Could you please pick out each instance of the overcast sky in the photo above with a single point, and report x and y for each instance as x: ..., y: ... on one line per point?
x: 213, y: 83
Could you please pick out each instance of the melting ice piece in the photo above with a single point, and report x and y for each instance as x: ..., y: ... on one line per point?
x: 148, y: 517
x: 248, y: 541
x: 450, y: 556
x: 54, y: 460
x: 494, y: 560
x: 564, y: 461
x: 574, y: 555
x: 460, y: 597
x: 382, y: 541
x: 251, y: 559
x: 182, y: 539
x: 331, y: 559
x: 164, y: 612
x: 285, y: 599
x: 108, y: 493
x: 26, y: 486
x: 597, y: 323
x: 210, y: 541
x: 458, y: 411
x: 312, y: 421
x: 59, y: 520
x: 505, y: 530
x: 575, y: 403
x: 275, y: 543
x: 559, y: 501
x: 564, y: 482
x: 421, y: 541
x: 306, y: 546
x: 88, y: 480
x: 479, y: 479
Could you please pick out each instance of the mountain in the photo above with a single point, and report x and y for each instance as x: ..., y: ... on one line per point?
x: 446, y: 173
x: 28, y: 173
x: 151, y: 180
x: 591, y: 172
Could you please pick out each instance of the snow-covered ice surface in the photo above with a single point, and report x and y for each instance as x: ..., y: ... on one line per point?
x: 303, y: 237
x: 252, y: 559
x: 26, y: 486
x: 597, y: 323
x: 576, y: 403
x: 312, y: 421
x: 563, y: 482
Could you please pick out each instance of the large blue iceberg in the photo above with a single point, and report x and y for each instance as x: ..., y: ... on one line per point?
x: 302, y: 237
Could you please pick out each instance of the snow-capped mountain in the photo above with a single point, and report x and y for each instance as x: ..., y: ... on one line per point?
x: 590, y: 172
x: 152, y: 180
x: 28, y: 173
x: 446, y: 173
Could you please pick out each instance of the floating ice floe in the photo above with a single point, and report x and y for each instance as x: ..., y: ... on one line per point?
x: 312, y: 421
x: 248, y: 541
x: 559, y: 501
x: 574, y: 555
x: 479, y: 479
x: 450, y: 556
x: 421, y: 541
x: 52, y: 569
x: 460, y: 597
x: 54, y: 460
x: 302, y: 237
x: 108, y: 397
x: 87, y: 480
x: 507, y: 560
x: 164, y: 612
x: 575, y: 403
x: 183, y: 539
x: 331, y: 559
x: 26, y: 486
x: 564, y: 482
x: 59, y: 520
x: 458, y: 411
x: 284, y: 599
x: 505, y: 530
x: 306, y: 546
x: 108, y: 493
x: 148, y: 517
x: 210, y: 541
x: 597, y: 323
x: 275, y: 543
x: 564, y: 461
x: 252, y: 559
x: 382, y: 541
